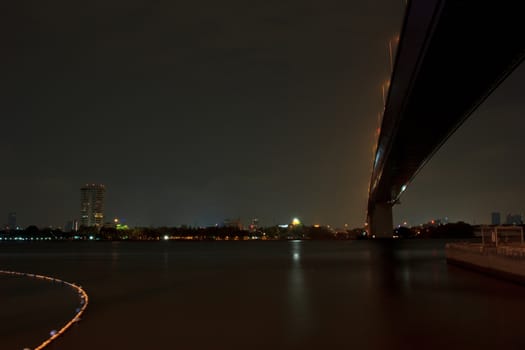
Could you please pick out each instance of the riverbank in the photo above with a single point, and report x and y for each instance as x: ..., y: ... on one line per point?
x: 504, y: 261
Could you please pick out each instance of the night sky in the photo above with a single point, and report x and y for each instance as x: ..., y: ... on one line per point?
x: 194, y: 112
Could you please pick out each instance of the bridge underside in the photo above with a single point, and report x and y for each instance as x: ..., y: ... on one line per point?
x: 451, y: 56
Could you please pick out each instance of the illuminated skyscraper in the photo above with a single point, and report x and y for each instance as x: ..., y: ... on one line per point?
x: 92, y: 205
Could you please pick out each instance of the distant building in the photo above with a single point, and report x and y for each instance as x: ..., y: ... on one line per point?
x: 496, y: 218
x: 92, y: 205
x: 11, y: 221
x: 514, y: 219
x: 71, y: 226
x: 233, y: 223
x: 254, y: 226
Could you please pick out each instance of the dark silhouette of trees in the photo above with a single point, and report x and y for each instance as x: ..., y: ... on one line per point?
x: 452, y: 230
x: 404, y: 232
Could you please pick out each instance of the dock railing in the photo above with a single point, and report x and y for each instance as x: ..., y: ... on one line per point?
x: 497, y: 235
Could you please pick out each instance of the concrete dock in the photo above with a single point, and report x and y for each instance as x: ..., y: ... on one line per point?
x: 503, y: 261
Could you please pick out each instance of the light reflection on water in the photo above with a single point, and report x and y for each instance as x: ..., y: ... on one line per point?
x: 259, y: 295
x: 298, y: 300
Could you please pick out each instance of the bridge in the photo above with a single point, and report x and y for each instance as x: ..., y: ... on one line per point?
x: 451, y: 55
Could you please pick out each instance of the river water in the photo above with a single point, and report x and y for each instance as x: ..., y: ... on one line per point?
x: 257, y: 295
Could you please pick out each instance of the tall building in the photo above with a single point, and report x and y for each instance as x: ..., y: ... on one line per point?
x: 11, y: 221
x: 496, y: 218
x: 92, y: 205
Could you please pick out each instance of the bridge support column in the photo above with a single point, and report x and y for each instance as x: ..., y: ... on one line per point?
x: 381, y: 221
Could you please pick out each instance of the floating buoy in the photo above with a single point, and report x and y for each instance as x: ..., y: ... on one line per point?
x: 79, y: 311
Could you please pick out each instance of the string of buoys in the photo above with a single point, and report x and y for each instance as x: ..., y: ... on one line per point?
x: 84, y: 299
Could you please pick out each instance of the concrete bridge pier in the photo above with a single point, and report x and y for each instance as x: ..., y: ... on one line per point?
x: 380, y: 221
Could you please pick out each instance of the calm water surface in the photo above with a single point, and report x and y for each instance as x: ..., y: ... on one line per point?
x: 257, y: 295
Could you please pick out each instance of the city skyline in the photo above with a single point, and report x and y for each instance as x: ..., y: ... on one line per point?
x: 92, y: 204
x: 193, y: 115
